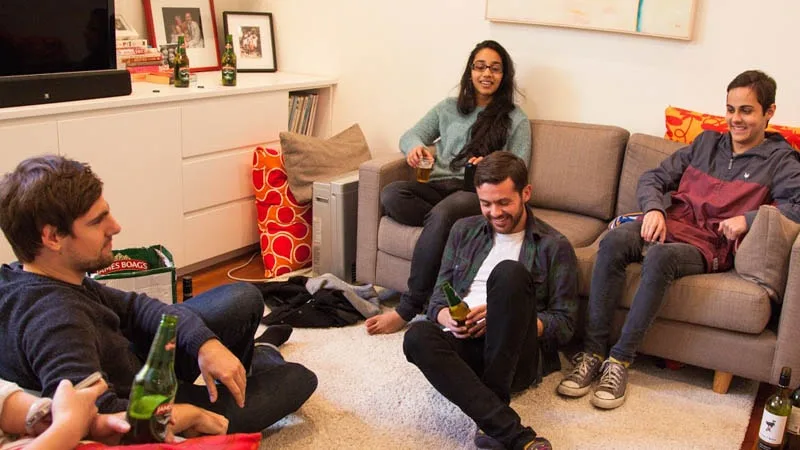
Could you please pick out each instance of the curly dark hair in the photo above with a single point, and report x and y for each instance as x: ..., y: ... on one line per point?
x: 490, y: 130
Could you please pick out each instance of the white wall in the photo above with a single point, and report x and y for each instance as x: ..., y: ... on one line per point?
x: 394, y: 60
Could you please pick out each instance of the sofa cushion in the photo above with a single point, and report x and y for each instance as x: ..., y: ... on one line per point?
x: 720, y: 300
x: 575, y: 167
x: 397, y: 239
x: 644, y: 152
x: 579, y: 230
x: 763, y: 256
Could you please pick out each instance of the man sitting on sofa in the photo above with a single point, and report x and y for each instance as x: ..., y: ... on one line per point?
x: 57, y: 323
x: 519, y: 278
x: 697, y: 205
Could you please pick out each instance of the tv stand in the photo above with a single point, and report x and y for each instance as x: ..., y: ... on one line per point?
x: 22, y: 90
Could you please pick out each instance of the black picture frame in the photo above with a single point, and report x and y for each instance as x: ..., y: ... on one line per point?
x: 251, y: 31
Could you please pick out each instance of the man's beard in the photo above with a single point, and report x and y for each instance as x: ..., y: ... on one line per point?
x: 94, y: 265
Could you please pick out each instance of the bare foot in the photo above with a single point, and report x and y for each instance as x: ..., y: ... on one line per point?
x: 386, y: 323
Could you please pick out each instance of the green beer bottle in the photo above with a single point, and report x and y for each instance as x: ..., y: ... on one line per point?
x: 154, y: 387
x: 458, y: 309
x: 777, y: 409
x: 181, y: 70
x: 228, y: 63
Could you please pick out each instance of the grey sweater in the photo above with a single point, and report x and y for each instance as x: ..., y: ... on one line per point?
x: 446, y: 122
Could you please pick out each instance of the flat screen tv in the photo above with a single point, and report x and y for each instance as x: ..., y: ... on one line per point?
x: 57, y: 50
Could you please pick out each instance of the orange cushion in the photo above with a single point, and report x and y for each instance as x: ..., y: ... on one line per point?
x: 249, y: 441
x: 285, y: 224
x: 684, y: 125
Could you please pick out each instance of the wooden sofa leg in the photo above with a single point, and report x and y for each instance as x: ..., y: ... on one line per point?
x: 722, y: 381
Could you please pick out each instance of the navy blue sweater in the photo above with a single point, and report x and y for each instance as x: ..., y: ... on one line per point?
x: 50, y: 330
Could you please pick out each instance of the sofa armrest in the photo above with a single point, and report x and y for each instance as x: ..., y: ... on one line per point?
x: 787, y: 352
x: 373, y: 176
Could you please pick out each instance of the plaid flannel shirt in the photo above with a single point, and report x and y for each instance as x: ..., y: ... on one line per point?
x: 545, y: 252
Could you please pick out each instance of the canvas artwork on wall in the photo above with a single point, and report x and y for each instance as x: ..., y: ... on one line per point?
x: 672, y: 19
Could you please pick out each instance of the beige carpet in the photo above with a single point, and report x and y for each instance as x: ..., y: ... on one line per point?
x: 369, y: 397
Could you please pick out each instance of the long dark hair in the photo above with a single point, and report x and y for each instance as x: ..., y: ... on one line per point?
x: 490, y: 130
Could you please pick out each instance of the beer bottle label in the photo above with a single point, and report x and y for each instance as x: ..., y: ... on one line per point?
x: 183, y: 73
x: 228, y: 73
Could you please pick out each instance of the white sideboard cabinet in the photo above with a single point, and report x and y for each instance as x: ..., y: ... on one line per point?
x: 176, y: 163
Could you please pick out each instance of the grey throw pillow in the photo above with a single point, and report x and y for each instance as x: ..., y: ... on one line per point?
x: 308, y: 159
x: 763, y: 255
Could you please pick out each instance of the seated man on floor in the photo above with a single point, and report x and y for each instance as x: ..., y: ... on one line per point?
x: 519, y: 277
x: 698, y: 204
x: 57, y: 323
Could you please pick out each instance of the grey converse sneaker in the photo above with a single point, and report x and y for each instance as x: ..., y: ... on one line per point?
x: 610, y: 392
x: 484, y: 441
x: 585, y: 369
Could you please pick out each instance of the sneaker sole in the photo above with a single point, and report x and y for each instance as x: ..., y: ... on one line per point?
x: 573, y: 392
x: 608, y: 404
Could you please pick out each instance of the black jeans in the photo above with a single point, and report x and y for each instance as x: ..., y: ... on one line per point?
x: 478, y: 375
x: 435, y: 206
x: 662, y: 264
x: 233, y: 313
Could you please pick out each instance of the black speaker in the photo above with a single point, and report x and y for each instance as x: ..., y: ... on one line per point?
x: 19, y: 90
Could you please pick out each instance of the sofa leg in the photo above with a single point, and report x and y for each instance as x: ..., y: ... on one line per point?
x: 722, y: 381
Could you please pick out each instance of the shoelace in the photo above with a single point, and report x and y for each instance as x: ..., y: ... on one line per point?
x: 582, y: 363
x: 612, y: 375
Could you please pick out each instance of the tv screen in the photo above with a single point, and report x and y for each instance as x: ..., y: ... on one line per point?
x: 54, y: 36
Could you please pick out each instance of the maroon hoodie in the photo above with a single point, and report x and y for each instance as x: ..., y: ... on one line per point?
x: 705, y: 183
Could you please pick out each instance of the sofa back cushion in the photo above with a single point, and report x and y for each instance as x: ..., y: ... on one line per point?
x: 644, y: 152
x: 575, y: 167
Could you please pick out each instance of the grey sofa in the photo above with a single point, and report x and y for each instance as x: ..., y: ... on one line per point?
x: 583, y: 176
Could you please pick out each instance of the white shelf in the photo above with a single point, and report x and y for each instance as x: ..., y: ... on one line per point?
x: 208, y: 86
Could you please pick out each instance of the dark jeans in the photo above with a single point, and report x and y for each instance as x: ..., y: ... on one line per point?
x: 478, y: 375
x: 435, y: 206
x: 274, y: 389
x: 662, y: 264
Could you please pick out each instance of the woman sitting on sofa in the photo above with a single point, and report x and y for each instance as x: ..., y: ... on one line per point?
x: 481, y: 120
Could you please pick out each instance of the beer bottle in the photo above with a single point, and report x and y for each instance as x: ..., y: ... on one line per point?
x: 776, y: 413
x: 792, y: 439
x: 187, y: 287
x: 228, y: 63
x: 154, y: 387
x: 181, y: 70
x: 458, y: 309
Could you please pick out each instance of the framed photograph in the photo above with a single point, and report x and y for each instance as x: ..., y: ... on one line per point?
x: 122, y: 29
x: 253, y: 40
x: 194, y: 20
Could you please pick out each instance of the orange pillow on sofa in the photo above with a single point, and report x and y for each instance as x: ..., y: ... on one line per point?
x: 684, y: 125
x: 285, y: 224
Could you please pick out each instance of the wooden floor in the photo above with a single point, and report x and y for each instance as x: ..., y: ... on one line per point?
x: 206, y: 279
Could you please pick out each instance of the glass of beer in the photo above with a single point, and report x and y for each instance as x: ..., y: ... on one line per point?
x: 424, y: 169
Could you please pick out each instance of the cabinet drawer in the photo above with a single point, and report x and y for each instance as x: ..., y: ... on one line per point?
x: 215, y: 231
x: 219, y: 124
x: 216, y: 179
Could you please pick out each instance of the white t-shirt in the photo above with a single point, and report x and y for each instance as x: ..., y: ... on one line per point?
x: 506, y: 246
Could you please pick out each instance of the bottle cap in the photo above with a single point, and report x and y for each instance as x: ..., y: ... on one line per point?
x: 786, y: 377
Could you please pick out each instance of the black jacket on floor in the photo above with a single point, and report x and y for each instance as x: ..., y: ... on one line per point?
x: 292, y: 304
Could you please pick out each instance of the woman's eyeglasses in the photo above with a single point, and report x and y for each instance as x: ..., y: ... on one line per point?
x: 480, y: 67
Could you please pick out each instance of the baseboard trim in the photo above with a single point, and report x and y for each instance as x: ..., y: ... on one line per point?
x: 191, y: 268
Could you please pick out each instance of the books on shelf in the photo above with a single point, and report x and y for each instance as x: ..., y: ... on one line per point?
x: 302, y: 112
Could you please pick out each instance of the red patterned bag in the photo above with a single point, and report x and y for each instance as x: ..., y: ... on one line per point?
x: 285, y: 225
